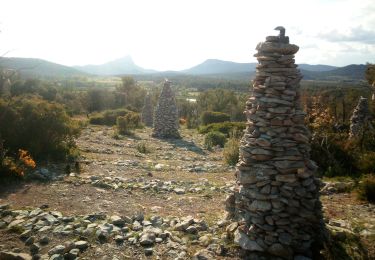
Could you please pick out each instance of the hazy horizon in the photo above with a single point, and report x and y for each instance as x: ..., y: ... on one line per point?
x: 176, y: 35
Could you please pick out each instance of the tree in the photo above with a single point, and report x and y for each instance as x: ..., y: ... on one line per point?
x: 130, y: 94
x: 222, y: 100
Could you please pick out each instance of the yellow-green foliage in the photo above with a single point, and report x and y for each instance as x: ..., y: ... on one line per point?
x: 344, y: 246
x: 142, y: 147
x: 107, y: 117
x: 231, y: 150
x: 128, y: 122
x: 225, y: 127
x: 214, y: 138
x: 209, y: 117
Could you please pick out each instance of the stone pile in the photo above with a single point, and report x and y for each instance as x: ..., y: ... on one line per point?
x: 276, y: 200
x: 147, y: 112
x: 360, y: 118
x: 166, y: 114
x: 151, y: 185
x: 77, y: 234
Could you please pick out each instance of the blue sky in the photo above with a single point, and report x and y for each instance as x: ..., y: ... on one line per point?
x: 178, y: 34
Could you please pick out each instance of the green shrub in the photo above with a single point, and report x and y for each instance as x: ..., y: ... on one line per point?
x: 231, y: 150
x: 225, y: 128
x: 209, y: 117
x: 366, y: 188
x: 366, y: 162
x: 334, y: 155
x: 128, y: 122
x: 214, y: 138
x: 40, y: 127
x: 192, y: 122
x: 107, y: 117
x: 142, y: 147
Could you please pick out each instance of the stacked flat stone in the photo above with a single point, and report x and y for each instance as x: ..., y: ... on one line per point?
x: 166, y: 114
x: 276, y: 200
x: 147, y: 111
x: 359, y: 118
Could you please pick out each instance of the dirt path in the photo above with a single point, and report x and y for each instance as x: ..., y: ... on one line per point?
x: 173, y: 180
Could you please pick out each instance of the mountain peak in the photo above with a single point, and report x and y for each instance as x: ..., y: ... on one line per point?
x: 124, y: 65
x: 215, y: 66
x: 127, y: 59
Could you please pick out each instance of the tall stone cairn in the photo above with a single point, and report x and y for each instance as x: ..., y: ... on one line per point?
x: 147, y: 111
x: 276, y: 198
x: 359, y: 118
x: 166, y: 114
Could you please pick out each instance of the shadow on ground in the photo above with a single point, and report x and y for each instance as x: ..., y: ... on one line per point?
x: 189, y: 145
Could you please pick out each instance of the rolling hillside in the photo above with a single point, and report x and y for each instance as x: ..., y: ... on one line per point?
x: 29, y: 67
x: 318, y: 67
x: 347, y: 73
x: 209, y: 69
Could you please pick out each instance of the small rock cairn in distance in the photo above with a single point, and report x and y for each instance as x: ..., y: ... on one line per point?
x: 359, y: 119
x: 166, y: 114
x: 147, y: 111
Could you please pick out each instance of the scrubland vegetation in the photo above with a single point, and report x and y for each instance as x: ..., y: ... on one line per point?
x: 40, y: 118
x: 41, y: 121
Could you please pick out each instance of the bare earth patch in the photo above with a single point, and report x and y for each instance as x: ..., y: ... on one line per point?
x: 173, y: 180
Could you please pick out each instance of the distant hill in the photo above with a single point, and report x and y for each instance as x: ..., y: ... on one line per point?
x: 30, y: 67
x: 229, y: 70
x: 318, y: 67
x: 347, y: 73
x: 120, y: 66
x: 209, y: 69
x: 213, y: 66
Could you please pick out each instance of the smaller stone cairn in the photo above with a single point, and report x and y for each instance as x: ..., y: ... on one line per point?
x: 360, y: 118
x: 147, y: 112
x: 166, y: 114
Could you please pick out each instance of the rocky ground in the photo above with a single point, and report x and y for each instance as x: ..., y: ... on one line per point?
x: 143, y: 198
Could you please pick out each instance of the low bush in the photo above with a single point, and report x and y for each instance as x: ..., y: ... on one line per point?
x: 366, y: 162
x: 143, y: 148
x: 231, y: 150
x: 366, y: 188
x: 192, y: 122
x: 224, y: 128
x: 40, y: 127
x: 214, y: 138
x: 125, y: 124
x: 334, y: 155
x: 209, y: 117
x: 107, y: 117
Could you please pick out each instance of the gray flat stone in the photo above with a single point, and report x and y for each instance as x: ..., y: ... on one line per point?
x: 245, y: 242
